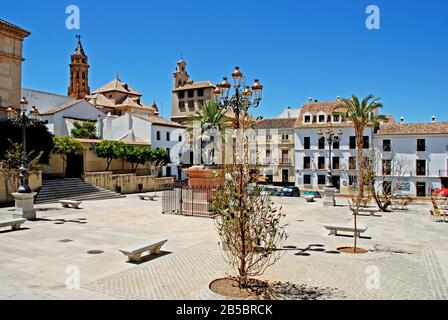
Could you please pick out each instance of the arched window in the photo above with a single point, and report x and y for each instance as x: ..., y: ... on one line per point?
x: 84, y: 75
x: 77, y: 75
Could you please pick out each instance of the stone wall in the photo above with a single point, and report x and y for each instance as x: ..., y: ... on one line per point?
x: 35, y: 182
x: 126, y: 183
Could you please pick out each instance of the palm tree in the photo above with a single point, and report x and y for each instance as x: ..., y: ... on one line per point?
x: 362, y: 114
x: 211, y: 114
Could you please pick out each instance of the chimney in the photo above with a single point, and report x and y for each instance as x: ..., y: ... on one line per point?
x: 310, y: 99
x: 402, y: 120
x: 433, y: 119
x: 338, y: 98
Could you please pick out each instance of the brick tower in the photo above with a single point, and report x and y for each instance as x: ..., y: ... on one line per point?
x: 79, y: 73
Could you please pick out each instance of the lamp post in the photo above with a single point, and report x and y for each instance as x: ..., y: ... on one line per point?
x: 24, y: 196
x: 330, y: 136
x: 241, y: 100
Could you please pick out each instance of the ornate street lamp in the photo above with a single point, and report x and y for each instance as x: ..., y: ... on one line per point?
x: 242, y: 99
x: 330, y: 136
x: 23, y: 120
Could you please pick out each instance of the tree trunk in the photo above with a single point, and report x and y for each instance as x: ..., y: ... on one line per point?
x: 360, y: 155
x: 108, y: 161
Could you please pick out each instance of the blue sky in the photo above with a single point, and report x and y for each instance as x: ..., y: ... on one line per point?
x: 298, y: 48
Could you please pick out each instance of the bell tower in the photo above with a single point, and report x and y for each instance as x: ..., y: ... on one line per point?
x: 180, y: 75
x: 79, y: 73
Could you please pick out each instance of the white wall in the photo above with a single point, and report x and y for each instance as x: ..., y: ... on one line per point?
x: 344, y: 153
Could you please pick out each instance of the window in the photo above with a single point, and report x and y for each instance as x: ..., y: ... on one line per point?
x: 322, y: 118
x: 336, y: 118
x: 365, y: 142
x: 336, y: 163
x: 268, y: 156
x: 352, y: 181
x: 180, y: 138
x: 182, y: 106
x: 200, y: 103
x: 168, y: 152
x: 167, y: 136
x: 307, y: 143
x: 386, y: 145
x: 268, y: 136
x: 321, y: 180
x: 181, y: 94
x: 307, y: 119
x: 321, y: 143
x: 421, y: 145
x: 285, y: 137
x: 421, y: 167
x: 158, y: 135
x: 321, y: 163
x: 352, y: 163
x: 387, y: 167
x: 352, y: 142
x: 191, y: 105
x: 285, y: 156
x: 306, y: 163
x: 307, y: 179
x: 336, y: 145
x: 200, y: 92
x: 190, y: 93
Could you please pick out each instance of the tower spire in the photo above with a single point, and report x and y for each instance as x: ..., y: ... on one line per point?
x: 79, y: 73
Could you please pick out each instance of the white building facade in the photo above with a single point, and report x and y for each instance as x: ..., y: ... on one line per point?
x: 312, y: 151
x: 157, y: 132
x: 422, y: 151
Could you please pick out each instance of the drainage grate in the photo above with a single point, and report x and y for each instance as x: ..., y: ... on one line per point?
x: 65, y: 240
x: 95, y: 252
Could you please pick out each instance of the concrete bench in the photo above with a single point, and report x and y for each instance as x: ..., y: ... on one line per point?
x: 15, y: 224
x: 135, y: 252
x: 146, y: 197
x: 334, y: 229
x: 70, y: 204
x: 370, y: 211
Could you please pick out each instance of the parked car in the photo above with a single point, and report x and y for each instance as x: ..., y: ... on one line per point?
x: 290, y: 192
x: 441, y: 192
x: 316, y: 194
x: 270, y: 190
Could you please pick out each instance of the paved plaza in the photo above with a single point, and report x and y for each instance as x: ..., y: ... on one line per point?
x: 408, y: 257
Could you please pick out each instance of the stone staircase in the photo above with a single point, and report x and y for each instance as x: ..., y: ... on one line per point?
x: 72, y: 189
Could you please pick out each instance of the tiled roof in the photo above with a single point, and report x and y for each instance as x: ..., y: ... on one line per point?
x: 117, y: 85
x: 277, y: 123
x: 139, y: 143
x: 413, y: 128
x: 6, y: 24
x: 159, y: 121
x: 196, y: 85
x: 61, y: 107
x: 314, y: 108
x: 99, y: 99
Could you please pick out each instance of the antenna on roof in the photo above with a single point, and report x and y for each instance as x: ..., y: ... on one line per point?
x: 117, y: 77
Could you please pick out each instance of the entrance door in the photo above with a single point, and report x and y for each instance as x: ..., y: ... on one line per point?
x: 337, y: 182
x: 285, y: 175
x: 421, y: 189
x: 168, y: 171
x: 179, y: 174
x: 75, y: 166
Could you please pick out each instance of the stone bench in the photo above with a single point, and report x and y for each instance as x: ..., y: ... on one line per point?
x: 146, y: 197
x: 135, y: 252
x: 15, y: 224
x: 370, y: 211
x: 70, y: 204
x: 334, y: 229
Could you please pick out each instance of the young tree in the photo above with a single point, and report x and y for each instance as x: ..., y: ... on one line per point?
x: 84, y: 130
x: 157, y: 159
x: 11, y: 162
x: 137, y: 155
x: 109, y: 150
x: 248, y: 222
x: 65, y: 146
x: 361, y: 114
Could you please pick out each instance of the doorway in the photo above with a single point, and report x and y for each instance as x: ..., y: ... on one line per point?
x: 285, y: 175
x: 336, y: 182
x: 75, y: 166
x: 421, y: 189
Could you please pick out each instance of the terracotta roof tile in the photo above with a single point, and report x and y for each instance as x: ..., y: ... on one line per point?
x: 413, y: 128
x: 196, y: 85
x: 159, y: 121
x: 314, y: 108
x: 9, y: 25
x: 276, y: 123
x: 119, y: 86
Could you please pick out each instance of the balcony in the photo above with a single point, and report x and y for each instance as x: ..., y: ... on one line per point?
x: 443, y: 173
x: 285, y: 161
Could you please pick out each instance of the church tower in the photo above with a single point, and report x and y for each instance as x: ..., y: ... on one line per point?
x: 180, y: 75
x: 79, y: 73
